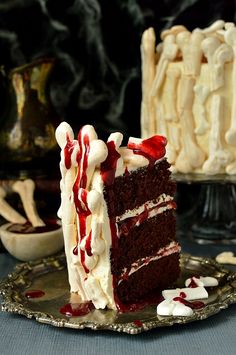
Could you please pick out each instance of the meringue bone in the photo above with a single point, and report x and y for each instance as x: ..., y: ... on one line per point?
x: 196, y: 293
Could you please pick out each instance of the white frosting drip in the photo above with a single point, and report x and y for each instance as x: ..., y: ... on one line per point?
x: 200, y: 69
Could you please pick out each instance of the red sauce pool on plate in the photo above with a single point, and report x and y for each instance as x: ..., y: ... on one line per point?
x: 76, y: 309
x: 34, y: 294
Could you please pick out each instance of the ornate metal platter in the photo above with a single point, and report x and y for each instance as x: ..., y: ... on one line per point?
x: 50, y: 276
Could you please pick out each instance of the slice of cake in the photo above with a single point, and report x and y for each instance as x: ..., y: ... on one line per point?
x: 189, y: 96
x: 118, y: 218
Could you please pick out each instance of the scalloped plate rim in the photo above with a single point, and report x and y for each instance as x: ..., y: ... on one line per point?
x: 7, y: 305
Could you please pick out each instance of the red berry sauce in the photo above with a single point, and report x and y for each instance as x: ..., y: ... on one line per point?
x: 77, y: 309
x: 34, y: 294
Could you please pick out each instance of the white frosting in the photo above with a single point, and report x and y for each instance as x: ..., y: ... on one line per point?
x: 83, y: 210
x: 147, y: 206
x: 191, y: 79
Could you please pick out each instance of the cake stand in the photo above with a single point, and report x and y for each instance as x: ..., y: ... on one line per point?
x: 211, y: 218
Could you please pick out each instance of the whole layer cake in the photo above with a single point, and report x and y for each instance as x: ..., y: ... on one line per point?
x: 117, y: 212
x: 189, y: 96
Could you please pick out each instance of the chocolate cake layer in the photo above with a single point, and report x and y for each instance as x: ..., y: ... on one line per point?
x: 144, y: 240
x: 156, y: 275
x: 135, y: 188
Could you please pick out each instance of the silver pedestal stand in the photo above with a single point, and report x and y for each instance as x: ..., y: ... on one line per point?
x: 212, y: 217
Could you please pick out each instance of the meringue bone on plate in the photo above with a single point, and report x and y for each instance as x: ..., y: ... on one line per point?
x: 170, y: 307
x: 190, y: 294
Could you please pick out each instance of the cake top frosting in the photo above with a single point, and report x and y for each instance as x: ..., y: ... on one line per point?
x: 89, y: 152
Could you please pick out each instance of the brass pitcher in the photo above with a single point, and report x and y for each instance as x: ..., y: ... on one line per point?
x: 27, y: 123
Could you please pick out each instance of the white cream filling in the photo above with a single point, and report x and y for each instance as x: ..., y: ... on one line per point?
x: 172, y: 248
x: 148, y: 205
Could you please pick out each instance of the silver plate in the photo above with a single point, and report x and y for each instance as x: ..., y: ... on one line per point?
x: 50, y: 275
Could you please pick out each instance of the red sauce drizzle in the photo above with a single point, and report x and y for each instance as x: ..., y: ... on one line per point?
x: 80, y: 194
x: 150, y: 299
x: 81, y: 208
x: 88, y: 245
x: 173, y: 204
x: 129, y: 223
x: 34, y: 294
x: 108, y: 167
x: 77, y: 309
x: 82, y: 259
x: 68, y: 150
x: 193, y: 305
x: 152, y: 148
x: 75, y: 250
x: 126, y: 171
x: 138, y: 323
x: 193, y: 284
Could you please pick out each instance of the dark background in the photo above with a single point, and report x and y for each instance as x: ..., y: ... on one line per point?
x: 97, y: 77
x: 96, y: 43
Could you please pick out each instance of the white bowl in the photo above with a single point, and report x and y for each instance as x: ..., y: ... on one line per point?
x: 31, y: 246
